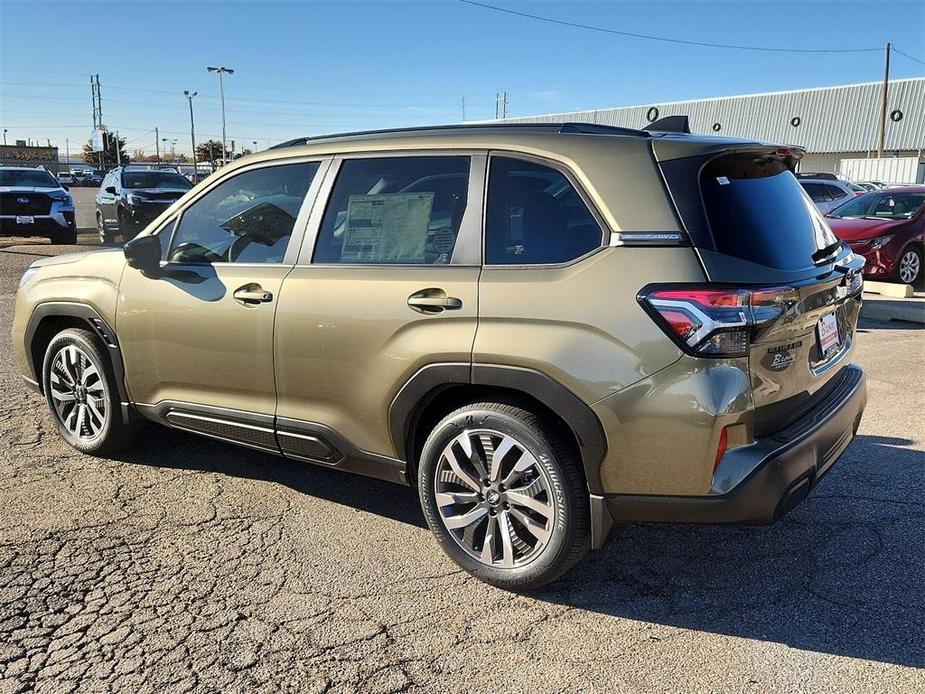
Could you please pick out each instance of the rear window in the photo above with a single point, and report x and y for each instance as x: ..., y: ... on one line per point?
x: 154, y: 179
x: 758, y: 211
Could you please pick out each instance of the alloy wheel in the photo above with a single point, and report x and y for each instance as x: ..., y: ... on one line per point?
x: 909, y: 266
x: 77, y: 393
x: 495, y: 498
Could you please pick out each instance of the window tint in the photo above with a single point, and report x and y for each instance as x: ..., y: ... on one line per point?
x: 758, y: 212
x: 247, y: 219
x: 399, y: 210
x: 535, y: 216
x: 816, y: 191
x: 835, y: 193
x: 154, y: 179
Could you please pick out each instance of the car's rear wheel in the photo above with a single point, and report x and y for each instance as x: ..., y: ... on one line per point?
x: 909, y: 268
x: 503, y: 493
x: 80, y: 390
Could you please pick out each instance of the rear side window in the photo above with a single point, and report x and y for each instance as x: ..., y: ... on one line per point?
x: 816, y: 191
x: 394, y: 211
x: 835, y: 193
x: 535, y: 216
x: 758, y: 212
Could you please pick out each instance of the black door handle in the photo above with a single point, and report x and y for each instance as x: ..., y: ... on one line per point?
x: 433, y: 300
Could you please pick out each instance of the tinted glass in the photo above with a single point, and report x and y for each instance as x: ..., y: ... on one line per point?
x: 881, y: 206
x: 154, y: 179
x: 31, y: 178
x: 400, y: 210
x: 758, y: 212
x: 247, y: 219
x: 835, y: 192
x: 816, y: 191
x: 535, y: 216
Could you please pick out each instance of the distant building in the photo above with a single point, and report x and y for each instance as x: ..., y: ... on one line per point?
x: 832, y: 123
x: 24, y: 155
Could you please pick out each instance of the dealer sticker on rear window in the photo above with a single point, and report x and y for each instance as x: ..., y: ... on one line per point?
x: 722, y: 180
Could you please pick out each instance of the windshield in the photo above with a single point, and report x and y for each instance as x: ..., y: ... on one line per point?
x: 31, y: 178
x: 880, y: 206
x: 759, y: 212
x: 154, y: 179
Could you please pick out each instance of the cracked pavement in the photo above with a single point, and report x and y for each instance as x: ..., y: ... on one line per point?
x: 193, y: 566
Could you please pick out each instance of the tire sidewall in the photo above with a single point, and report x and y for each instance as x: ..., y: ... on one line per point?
x: 537, y: 571
x: 918, y: 278
x: 78, y: 338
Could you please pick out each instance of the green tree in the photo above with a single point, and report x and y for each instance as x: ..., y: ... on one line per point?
x: 113, y: 150
x: 211, y: 151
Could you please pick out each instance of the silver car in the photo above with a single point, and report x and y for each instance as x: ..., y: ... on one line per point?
x: 828, y: 193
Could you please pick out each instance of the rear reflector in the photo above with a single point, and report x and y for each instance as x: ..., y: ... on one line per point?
x: 715, y: 322
x: 721, y: 447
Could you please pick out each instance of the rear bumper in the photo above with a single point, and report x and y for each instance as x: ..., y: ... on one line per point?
x: 788, y: 464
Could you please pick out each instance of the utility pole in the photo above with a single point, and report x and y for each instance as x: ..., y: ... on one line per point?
x: 118, y: 150
x: 221, y: 86
x: 4, y: 136
x: 500, y: 106
x: 192, y: 128
x: 883, y: 99
x: 157, y: 145
x: 97, y: 111
x: 67, y: 151
x: 463, y: 104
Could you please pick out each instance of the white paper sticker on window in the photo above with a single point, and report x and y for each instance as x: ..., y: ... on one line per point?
x: 387, y: 227
x: 722, y: 180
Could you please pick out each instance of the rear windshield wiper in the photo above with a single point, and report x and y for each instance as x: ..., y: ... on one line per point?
x: 824, y: 253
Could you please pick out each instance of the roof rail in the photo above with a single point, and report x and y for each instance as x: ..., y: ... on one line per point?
x: 561, y: 128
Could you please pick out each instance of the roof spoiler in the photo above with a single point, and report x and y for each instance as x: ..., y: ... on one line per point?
x: 669, y: 124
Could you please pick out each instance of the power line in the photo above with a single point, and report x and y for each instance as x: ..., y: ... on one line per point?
x: 910, y: 57
x: 665, y: 39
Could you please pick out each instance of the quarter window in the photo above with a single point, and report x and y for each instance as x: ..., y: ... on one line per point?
x: 247, y: 219
x: 535, y: 216
x: 395, y: 210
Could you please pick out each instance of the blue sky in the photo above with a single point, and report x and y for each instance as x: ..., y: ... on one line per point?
x: 309, y: 68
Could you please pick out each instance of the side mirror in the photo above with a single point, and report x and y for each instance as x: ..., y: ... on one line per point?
x: 144, y: 253
x: 66, y: 187
x: 111, y: 190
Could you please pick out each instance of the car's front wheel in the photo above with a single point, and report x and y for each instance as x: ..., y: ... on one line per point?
x: 909, y: 268
x: 80, y: 390
x: 503, y: 493
x: 106, y: 236
x: 65, y: 237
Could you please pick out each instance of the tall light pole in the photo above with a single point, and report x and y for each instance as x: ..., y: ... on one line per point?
x: 4, y: 136
x: 192, y: 128
x: 221, y: 86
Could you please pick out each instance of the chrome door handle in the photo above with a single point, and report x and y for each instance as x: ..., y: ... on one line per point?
x: 251, y: 294
x: 433, y: 300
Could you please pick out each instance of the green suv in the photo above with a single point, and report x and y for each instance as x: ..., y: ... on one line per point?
x: 546, y: 329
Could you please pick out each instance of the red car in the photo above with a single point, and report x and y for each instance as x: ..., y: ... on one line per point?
x: 887, y: 227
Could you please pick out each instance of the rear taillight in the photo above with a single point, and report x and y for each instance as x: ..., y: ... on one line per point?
x: 721, y: 447
x: 713, y: 322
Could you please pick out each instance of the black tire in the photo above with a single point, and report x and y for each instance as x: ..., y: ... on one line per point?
x: 65, y: 237
x: 569, y: 537
x: 107, y: 238
x: 113, y: 433
x: 916, y: 266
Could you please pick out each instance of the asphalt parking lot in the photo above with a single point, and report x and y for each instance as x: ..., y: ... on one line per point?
x: 193, y: 565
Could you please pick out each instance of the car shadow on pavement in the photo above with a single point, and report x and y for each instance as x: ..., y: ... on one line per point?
x: 842, y: 574
x: 178, y: 450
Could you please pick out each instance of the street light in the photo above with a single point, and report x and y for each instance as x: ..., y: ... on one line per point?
x: 192, y: 129
x: 221, y: 86
x: 4, y: 137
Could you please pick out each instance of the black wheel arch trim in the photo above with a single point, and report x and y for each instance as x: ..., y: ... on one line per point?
x: 97, y: 324
x: 412, y: 399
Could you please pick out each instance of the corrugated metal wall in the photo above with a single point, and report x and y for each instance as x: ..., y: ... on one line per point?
x: 831, y: 119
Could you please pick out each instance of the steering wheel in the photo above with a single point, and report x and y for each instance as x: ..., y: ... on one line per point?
x: 190, y: 252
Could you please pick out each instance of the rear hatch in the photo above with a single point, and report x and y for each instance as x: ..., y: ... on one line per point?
x: 795, y: 285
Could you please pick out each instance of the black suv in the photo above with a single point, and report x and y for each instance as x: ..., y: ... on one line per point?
x: 33, y: 203
x: 130, y: 197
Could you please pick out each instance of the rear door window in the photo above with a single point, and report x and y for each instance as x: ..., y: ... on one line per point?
x: 758, y: 211
x: 394, y: 211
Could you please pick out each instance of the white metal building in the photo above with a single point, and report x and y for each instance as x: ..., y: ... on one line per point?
x: 832, y: 123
